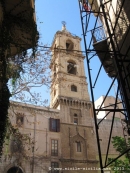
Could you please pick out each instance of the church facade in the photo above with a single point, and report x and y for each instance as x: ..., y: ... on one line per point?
x: 60, y: 138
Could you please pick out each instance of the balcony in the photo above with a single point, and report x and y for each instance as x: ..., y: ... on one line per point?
x: 101, y: 46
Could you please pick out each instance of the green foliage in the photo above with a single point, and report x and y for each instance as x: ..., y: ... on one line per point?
x: 15, y: 142
x: 18, y: 32
x: 121, y: 165
x: 121, y: 145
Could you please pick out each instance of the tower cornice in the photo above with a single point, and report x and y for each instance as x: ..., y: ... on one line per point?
x: 72, y: 102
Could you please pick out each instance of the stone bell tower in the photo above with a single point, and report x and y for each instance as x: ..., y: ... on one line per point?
x: 68, y: 75
x: 69, y: 84
x: 69, y: 94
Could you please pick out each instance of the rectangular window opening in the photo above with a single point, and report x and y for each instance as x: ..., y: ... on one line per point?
x: 67, y: 45
x: 54, y: 125
x: 54, y: 147
x: 53, y: 166
x: 78, y: 146
x: 76, y: 121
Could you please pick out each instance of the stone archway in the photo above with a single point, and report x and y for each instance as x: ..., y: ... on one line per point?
x: 15, y: 169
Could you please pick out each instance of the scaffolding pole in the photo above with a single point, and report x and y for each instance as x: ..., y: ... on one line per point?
x: 109, y: 42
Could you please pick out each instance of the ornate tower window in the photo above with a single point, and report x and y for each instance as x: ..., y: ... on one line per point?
x: 74, y: 88
x: 76, y: 116
x: 71, y: 67
x: 69, y: 45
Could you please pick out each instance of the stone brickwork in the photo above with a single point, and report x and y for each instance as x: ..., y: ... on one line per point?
x: 70, y: 134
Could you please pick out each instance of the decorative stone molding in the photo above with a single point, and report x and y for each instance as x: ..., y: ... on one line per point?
x: 78, y: 161
x: 73, y: 140
x: 72, y: 102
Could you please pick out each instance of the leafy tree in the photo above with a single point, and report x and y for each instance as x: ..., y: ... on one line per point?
x: 121, y: 165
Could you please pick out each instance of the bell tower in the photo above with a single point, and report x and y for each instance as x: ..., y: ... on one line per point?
x: 67, y: 66
x: 69, y: 94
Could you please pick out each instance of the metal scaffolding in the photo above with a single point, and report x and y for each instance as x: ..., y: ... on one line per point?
x: 106, y: 34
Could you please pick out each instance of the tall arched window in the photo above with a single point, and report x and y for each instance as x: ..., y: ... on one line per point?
x: 74, y: 88
x: 71, y: 67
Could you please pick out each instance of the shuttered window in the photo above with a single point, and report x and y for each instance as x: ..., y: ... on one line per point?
x: 54, y: 125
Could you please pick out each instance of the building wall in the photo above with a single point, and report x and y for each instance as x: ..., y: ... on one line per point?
x: 108, y: 104
x: 70, y: 156
x: 38, y: 118
x: 36, y: 127
x: 97, y: 103
x: 104, y: 132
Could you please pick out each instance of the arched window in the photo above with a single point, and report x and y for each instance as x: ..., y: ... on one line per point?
x: 71, y: 67
x: 69, y: 45
x: 15, y: 169
x: 74, y: 88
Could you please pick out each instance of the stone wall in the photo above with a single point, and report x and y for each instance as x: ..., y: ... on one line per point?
x: 70, y: 135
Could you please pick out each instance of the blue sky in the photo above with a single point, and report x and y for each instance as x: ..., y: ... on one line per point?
x: 49, y: 16
x: 52, y: 13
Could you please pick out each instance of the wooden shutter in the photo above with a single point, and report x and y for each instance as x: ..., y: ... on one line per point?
x: 58, y: 125
x: 50, y: 124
